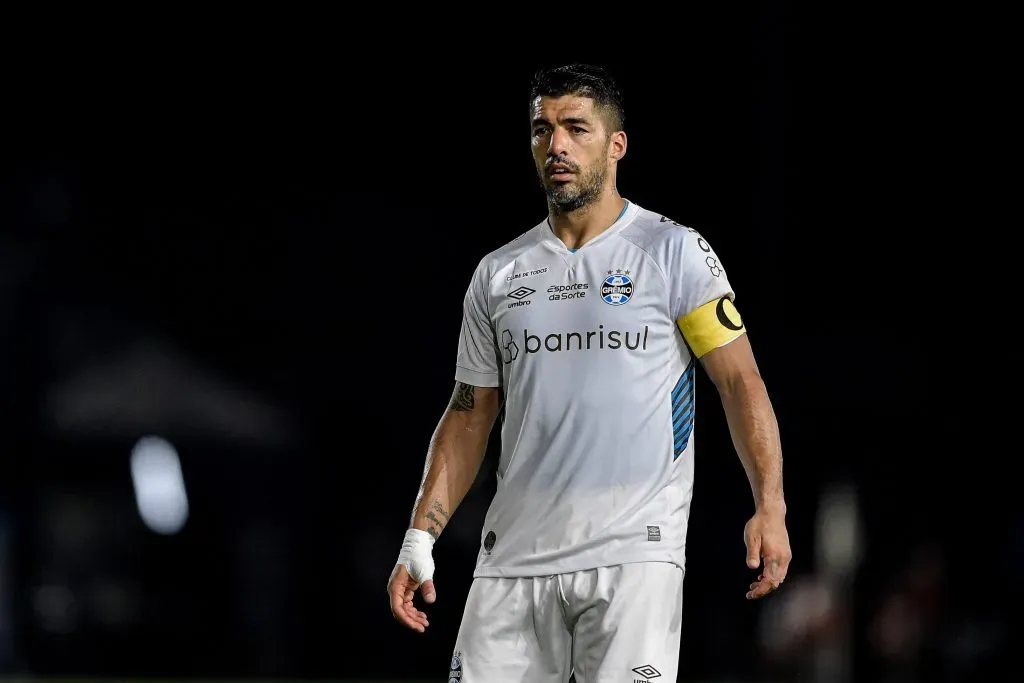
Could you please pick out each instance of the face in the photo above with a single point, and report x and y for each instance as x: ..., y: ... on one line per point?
x: 572, y: 150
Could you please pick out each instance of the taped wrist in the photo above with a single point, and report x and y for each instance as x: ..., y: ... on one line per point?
x: 417, y: 555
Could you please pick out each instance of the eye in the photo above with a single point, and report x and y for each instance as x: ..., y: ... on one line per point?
x: 579, y: 130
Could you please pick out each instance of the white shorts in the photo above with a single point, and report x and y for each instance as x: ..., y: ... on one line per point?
x: 611, y: 624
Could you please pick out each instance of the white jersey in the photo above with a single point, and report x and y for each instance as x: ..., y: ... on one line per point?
x: 588, y: 347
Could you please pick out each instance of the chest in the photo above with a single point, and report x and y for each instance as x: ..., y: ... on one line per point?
x: 613, y: 287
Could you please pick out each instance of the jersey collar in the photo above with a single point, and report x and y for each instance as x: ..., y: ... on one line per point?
x: 626, y: 216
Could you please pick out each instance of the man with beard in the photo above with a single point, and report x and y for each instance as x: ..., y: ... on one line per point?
x: 587, y: 329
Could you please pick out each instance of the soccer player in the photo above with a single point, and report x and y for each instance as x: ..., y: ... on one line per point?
x: 587, y: 330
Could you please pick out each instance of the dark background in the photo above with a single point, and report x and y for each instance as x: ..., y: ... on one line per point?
x: 260, y: 253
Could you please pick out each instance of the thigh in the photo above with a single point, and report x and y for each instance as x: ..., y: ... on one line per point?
x: 513, y: 631
x: 630, y: 624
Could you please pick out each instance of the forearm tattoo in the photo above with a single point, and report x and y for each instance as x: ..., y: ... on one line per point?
x: 440, y: 509
x: 436, y: 526
x: 463, y: 399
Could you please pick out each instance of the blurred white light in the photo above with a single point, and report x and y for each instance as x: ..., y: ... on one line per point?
x: 159, y: 487
x: 839, y: 534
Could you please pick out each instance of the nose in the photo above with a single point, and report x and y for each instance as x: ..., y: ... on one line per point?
x: 559, y: 144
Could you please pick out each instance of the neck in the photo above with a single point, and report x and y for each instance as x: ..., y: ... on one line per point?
x: 578, y: 227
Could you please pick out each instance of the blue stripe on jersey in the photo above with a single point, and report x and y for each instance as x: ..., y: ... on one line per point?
x: 682, y: 411
x: 572, y: 251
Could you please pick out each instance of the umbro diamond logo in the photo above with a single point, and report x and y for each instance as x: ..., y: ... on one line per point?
x: 647, y: 671
x: 521, y: 293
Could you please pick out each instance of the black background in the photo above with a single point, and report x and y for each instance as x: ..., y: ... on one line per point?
x: 298, y: 217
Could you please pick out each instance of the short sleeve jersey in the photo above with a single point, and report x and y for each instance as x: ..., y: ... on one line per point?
x: 594, y: 351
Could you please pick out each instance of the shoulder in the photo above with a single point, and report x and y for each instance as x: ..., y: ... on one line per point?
x: 665, y: 240
x: 505, y: 256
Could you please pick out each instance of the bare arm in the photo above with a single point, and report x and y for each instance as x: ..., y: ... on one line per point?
x: 755, y: 435
x: 454, y: 455
x: 751, y: 418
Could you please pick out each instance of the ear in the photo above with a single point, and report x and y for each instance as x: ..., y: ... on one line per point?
x: 617, y: 145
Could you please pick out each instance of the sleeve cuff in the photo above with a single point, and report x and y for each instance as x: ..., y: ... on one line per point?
x: 475, y: 378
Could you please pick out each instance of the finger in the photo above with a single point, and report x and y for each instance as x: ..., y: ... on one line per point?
x: 753, y: 550
x: 409, y: 616
x: 429, y: 594
x: 400, y: 610
x: 759, y: 589
x: 401, y: 591
x: 418, y: 618
x: 762, y: 587
x: 414, y: 613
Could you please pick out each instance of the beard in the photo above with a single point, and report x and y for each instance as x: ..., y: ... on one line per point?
x: 585, y: 189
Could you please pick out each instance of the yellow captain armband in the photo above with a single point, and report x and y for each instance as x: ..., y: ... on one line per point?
x: 714, y: 324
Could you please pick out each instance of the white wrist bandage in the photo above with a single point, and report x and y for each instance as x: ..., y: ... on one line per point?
x: 417, y: 555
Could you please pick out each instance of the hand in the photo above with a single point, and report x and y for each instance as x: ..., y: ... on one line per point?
x: 766, y: 537
x: 402, y: 587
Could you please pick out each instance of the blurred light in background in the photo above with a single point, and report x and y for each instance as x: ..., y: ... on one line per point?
x: 159, y: 486
x: 839, y: 542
